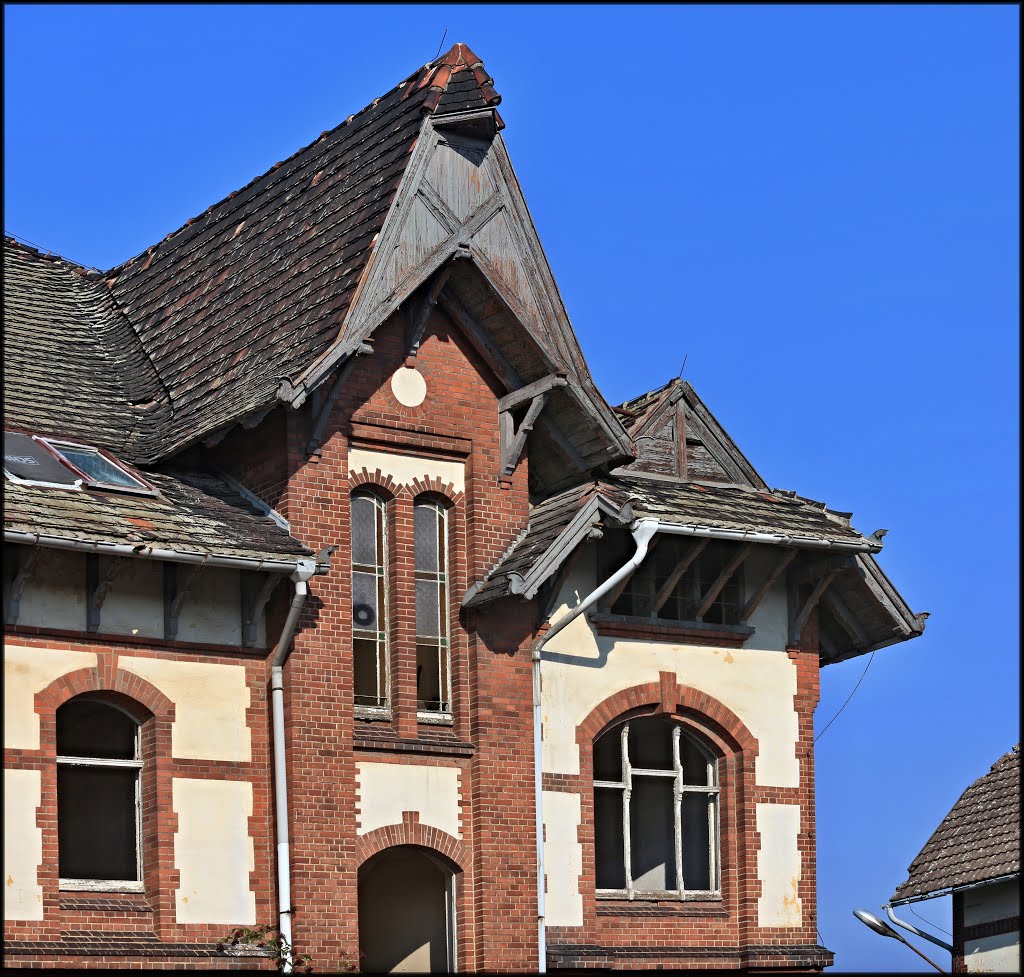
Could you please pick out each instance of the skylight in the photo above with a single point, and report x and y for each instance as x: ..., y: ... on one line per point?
x: 96, y: 469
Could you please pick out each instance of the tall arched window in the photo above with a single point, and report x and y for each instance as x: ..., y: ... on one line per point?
x: 655, y: 812
x: 369, y: 600
x: 433, y: 652
x: 99, y: 764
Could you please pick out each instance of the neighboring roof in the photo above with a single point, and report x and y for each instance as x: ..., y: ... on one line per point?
x: 73, y: 365
x: 978, y: 840
x: 195, y: 512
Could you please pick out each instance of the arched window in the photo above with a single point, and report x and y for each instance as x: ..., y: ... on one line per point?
x: 369, y: 601
x: 655, y: 812
x: 99, y: 764
x: 433, y: 652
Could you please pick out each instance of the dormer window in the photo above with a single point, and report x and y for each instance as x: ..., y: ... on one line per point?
x: 96, y: 469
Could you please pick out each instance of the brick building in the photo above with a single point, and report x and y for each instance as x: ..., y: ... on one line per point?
x: 337, y: 598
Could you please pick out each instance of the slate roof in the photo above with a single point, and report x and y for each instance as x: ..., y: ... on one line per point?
x: 731, y: 507
x: 978, y: 840
x: 195, y: 512
x: 73, y: 365
x: 255, y: 288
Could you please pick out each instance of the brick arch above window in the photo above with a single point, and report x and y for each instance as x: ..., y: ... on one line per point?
x: 105, y: 678
x: 432, y: 488
x: 703, y: 713
x: 384, y: 485
x: 413, y: 833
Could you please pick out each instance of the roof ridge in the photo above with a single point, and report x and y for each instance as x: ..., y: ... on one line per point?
x: 119, y: 268
x: 53, y: 256
x: 439, y: 72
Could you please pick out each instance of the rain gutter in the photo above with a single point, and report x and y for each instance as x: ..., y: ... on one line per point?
x: 294, y: 565
x: 771, y: 539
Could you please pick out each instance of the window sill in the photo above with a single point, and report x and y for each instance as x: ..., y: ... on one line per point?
x: 680, y: 632
x: 435, y: 718
x: 99, y: 885
x: 378, y: 714
x: 699, y: 904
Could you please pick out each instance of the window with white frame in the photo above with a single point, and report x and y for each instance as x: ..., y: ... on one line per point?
x: 99, y: 765
x: 656, y: 812
x: 433, y: 651
x: 369, y: 602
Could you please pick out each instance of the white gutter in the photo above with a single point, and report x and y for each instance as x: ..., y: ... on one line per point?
x: 772, y: 539
x: 284, y: 886
x: 910, y: 927
x: 643, y: 533
x: 297, y: 564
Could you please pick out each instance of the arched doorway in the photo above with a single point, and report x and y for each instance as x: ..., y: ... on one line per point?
x: 406, y: 913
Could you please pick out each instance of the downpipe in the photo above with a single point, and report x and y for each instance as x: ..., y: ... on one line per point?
x: 643, y: 533
x: 910, y: 927
x: 281, y: 652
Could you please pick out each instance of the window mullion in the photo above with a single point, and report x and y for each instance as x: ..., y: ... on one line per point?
x: 677, y: 810
x: 627, y: 793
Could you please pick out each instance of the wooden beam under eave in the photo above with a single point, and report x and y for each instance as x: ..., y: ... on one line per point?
x: 723, y: 578
x: 616, y: 592
x: 751, y: 605
x: 812, y: 601
x: 676, y: 575
x: 477, y: 337
x: 844, y: 616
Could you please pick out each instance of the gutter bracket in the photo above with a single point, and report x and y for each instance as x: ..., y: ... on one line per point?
x: 254, y: 608
x: 101, y: 589
x: 175, y: 597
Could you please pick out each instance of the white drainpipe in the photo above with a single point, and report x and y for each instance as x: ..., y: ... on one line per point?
x: 284, y: 888
x: 643, y: 532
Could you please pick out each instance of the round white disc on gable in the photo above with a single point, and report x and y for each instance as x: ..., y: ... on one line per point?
x: 409, y: 388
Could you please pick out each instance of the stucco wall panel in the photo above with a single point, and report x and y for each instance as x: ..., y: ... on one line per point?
x: 988, y: 903
x: 385, y: 790
x: 213, y: 610
x: 404, y: 469
x: 135, y: 603
x: 213, y: 851
x: 210, y: 701
x: 563, y: 858
x: 581, y: 669
x: 779, y: 866
x: 28, y: 670
x: 54, y: 596
x: 993, y: 954
x: 23, y: 845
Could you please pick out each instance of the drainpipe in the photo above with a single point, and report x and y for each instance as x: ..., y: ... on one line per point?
x: 281, y: 651
x: 643, y: 532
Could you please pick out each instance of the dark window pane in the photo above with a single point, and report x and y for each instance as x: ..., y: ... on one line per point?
x: 694, y: 761
x: 364, y: 601
x: 369, y: 689
x: 696, y: 841
x: 96, y: 815
x: 426, y: 519
x: 652, y: 834
x: 431, y: 678
x: 608, y: 847
x: 427, y: 620
x: 89, y: 728
x: 650, y: 743
x: 364, y: 530
x: 608, y: 756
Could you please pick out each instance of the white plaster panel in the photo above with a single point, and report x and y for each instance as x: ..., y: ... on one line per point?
x: 993, y: 954
x: 779, y: 866
x: 23, y: 845
x: 404, y: 469
x: 135, y: 602
x: 209, y: 706
x: 770, y: 619
x: 581, y: 669
x: 54, y: 596
x: 385, y: 790
x: 408, y: 386
x: 212, y: 612
x: 988, y: 903
x: 213, y: 851
x: 26, y: 672
x: 563, y: 859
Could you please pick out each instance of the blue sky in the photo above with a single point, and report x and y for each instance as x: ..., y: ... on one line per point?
x: 816, y: 206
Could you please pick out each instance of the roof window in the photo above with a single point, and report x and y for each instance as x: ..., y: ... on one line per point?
x: 96, y: 469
